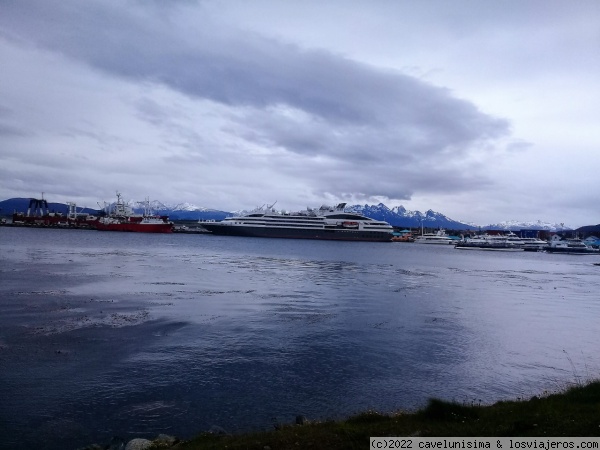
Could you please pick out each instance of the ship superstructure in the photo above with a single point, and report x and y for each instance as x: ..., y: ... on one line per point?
x: 332, y: 223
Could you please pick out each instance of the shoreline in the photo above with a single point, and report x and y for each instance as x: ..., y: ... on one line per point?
x: 573, y: 412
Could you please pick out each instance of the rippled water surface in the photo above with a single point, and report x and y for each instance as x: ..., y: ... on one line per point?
x: 105, y: 334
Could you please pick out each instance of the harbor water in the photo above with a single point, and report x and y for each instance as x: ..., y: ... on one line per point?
x: 108, y: 334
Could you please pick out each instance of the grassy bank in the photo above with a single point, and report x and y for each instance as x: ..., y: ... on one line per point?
x: 574, y: 412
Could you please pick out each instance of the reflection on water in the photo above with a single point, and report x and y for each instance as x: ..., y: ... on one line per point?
x: 106, y: 334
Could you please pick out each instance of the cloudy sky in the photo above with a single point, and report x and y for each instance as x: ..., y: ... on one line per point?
x: 484, y: 111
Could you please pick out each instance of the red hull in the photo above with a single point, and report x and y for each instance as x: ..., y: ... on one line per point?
x: 136, y: 227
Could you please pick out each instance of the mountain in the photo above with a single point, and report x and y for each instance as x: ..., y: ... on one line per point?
x: 589, y: 229
x: 513, y: 225
x: 180, y: 211
x: 401, y: 217
x: 397, y: 216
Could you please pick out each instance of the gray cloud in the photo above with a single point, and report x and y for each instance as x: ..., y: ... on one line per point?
x: 197, y: 93
x: 248, y: 70
x: 7, y: 128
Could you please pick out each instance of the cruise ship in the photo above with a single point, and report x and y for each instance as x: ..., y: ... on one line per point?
x: 332, y: 223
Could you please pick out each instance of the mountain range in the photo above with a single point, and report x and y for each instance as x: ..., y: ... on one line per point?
x: 397, y: 216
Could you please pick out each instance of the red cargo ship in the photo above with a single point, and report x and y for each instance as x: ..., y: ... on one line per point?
x: 120, y: 217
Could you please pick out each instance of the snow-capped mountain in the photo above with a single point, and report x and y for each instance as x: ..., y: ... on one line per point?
x: 180, y: 211
x: 401, y: 217
x: 159, y: 206
x: 397, y: 216
x: 514, y: 225
x: 185, y: 207
x: 156, y: 205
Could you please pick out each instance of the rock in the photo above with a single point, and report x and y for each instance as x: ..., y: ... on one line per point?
x: 164, y: 440
x: 116, y: 443
x: 138, y: 444
x: 300, y: 420
x: 276, y: 424
x: 216, y: 429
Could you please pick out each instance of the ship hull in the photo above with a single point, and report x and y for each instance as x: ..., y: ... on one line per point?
x: 491, y: 247
x: 338, y: 234
x: 136, y: 227
x: 572, y: 251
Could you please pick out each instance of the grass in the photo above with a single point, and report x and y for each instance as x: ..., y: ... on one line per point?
x: 573, y: 412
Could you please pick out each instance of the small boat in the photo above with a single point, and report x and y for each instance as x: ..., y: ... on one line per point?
x: 403, y: 236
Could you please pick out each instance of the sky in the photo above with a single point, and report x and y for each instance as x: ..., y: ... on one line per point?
x: 485, y: 111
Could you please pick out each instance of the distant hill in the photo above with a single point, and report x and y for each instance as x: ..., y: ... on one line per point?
x: 589, y: 229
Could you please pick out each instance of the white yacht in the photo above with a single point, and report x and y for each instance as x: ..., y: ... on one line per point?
x: 440, y: 237
x: 323, y: 223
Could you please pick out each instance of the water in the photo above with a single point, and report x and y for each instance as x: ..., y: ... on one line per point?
x: 105, y: 334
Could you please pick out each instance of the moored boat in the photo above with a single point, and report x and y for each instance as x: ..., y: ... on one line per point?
x: 571, y: 247
x: 490, y: 242
x: 531, y: 244
x: 403, y: 236
x: 120, y: 217
x: 324, y: 223
x: 439, y: 237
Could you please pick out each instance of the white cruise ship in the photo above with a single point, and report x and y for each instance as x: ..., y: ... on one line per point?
x: 323, y: 223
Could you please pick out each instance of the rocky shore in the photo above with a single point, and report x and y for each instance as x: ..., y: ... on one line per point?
x: 162, y: 441
x: 573, y: 411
